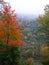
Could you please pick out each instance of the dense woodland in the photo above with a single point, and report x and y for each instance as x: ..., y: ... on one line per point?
x: 23, y: 40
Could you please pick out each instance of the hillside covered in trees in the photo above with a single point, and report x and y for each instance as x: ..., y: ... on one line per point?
x: 24, y: 40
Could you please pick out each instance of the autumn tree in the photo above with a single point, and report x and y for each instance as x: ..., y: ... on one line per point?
x: 10, y: 37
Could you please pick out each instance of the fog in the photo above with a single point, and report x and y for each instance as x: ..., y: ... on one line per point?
x: 34, y: 7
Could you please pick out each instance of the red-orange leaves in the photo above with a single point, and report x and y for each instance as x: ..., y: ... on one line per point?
x: 19, y: 42
x: 15, y: 31
x: 10, y: 33
x: 11, y: 42
x: 1, y: 25
x: 14, y: 22
x: 15, y: 43
x: 30, y: 60
x: 2, y: 35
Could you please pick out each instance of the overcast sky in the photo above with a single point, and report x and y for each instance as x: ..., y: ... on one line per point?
x: 35, y: 7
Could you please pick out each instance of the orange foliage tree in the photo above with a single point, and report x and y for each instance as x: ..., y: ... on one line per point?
x: 10, y: 37
x: 10, y: 33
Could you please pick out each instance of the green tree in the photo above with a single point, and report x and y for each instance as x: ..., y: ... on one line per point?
x: 43, y: 22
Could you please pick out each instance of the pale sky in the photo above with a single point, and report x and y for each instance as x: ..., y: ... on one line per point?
x: 35, y: 7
